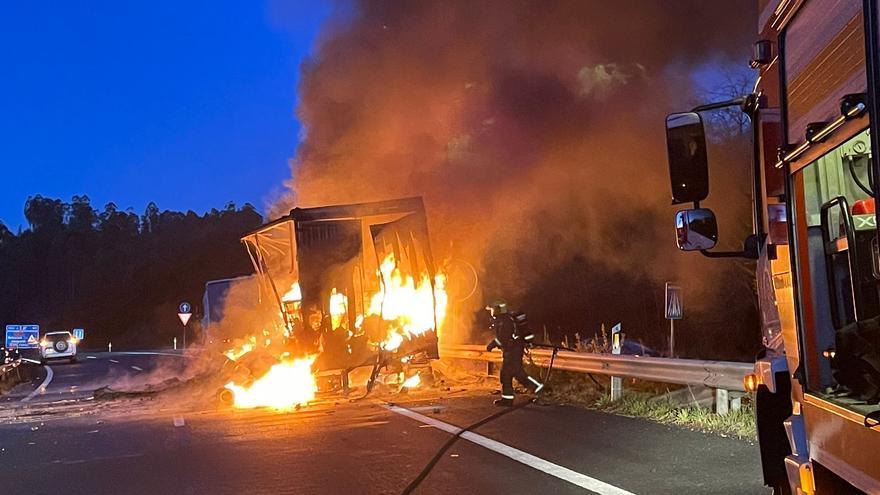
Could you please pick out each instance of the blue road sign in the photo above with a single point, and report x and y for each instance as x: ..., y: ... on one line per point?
x: 674, y: 304
x: 185, y: 307
x: 22, y: 336
x: 79, y: 333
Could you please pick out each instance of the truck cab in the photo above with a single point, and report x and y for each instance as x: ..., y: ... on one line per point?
x: 815, y: 238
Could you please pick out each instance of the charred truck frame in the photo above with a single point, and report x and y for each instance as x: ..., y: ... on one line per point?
x: 330, y: 272
x: 815, y: 115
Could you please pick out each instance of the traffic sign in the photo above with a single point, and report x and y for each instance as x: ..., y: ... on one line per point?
x: 79, y: 333
x: 674, y: 303
x: 22, y: 336
x: 184, y: 313
x: 184, y: 317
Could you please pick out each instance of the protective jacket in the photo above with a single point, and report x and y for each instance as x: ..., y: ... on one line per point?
x: 512, y: 335
x: 511, y: 330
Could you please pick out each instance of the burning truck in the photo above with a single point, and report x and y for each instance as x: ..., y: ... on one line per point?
x: 340, y: 288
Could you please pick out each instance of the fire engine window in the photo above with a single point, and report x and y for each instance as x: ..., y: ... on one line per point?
x: 837, y: 236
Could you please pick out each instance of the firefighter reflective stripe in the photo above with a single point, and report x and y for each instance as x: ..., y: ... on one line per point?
x: 497, y: 341
x: 530, y: 336
x: 536, y: 382
x: 506, y: 396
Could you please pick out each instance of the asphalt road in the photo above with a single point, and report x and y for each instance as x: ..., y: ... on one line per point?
x: 64, y: 440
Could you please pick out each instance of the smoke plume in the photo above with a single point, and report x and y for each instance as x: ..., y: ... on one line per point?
x: 534, y: 130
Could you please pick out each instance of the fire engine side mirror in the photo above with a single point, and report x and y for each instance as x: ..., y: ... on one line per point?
x: 688, y: 160
x: 696, y: 229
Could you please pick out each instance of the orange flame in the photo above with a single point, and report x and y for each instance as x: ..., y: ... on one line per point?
x: 338, y: 308
x: 235, y: 354
x: 294, y: 294
x: 412, y: 382
x: 286, y: 385
x: 407, y: 304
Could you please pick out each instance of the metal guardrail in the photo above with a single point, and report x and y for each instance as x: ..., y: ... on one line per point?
x: 7, y: 368
x: 724, y: 375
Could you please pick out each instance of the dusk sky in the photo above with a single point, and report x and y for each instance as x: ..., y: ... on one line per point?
x: 188, y: 104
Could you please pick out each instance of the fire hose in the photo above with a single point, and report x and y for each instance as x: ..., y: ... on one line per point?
x: 556, y: 349
x: 492, y: 417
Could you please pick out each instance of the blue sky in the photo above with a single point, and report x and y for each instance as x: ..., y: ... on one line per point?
x: 188, y: 104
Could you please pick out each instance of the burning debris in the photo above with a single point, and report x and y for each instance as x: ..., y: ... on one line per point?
x: 412, y: 382
x: 352, y: 286
x: 286, y: 385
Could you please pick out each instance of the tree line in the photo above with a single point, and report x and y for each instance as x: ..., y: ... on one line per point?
x: 117, y: 274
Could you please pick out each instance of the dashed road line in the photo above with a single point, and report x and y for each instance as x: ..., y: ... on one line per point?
x: 114, y: 361
x: 42, y: 387
x: 520, y: 456
x: 97, y: 459
x: 137, y: 368
x: 151, y: 353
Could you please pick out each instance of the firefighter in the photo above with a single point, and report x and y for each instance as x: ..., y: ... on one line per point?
x: 512, y: 336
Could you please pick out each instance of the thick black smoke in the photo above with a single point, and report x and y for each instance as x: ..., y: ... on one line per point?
x: 534, y: 130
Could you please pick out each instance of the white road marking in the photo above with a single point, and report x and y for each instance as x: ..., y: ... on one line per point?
x: 137, y: 368
x: 30, y: 360
x: 149, y: 353
x: 114, y: 361
x: 530, y: 460
x: 42, y: 388
x: 98, y: 459
x: 428, y: 408
x: 91, y: 357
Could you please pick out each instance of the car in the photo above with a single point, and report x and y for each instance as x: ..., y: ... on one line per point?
x: 636, y: 348
x: 58, y: 345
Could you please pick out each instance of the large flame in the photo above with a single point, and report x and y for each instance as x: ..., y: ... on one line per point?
x: 286, y: 385
x: 412, y: 382
x: 408, y: 305
x: 338, y: 308
x: 234, y: 354
x: 294, y: 294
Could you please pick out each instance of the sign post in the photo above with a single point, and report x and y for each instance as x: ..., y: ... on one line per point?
x: 22, y: 336
x: 674, y: 311
x: 184, y: 312
x: 616, y: 345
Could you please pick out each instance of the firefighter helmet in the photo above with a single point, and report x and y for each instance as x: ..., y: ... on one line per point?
x: 497, y: 306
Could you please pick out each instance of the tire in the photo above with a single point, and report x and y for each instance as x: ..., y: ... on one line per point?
x: 781, y: 490
x: 771, y: 411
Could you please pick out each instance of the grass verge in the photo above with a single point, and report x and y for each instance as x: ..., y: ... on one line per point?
x: 645, y: 400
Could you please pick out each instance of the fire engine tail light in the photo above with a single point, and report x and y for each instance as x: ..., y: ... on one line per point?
x: 808, y: 486
x: 750, y: 382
